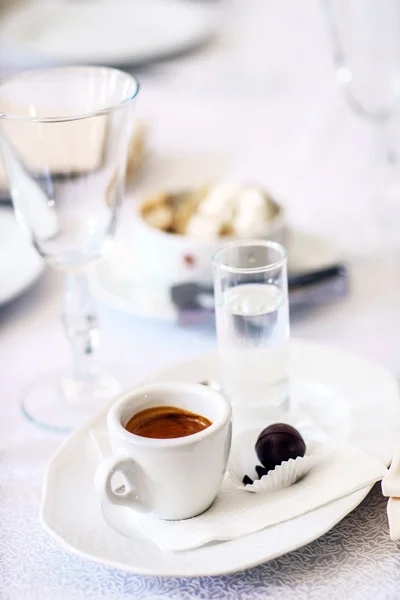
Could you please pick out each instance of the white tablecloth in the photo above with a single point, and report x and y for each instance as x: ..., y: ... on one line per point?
x: 263, y: 96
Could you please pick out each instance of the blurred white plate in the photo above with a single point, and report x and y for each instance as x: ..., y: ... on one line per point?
x: 20, y: 264
x: 117, y: 280
x: 112, y: 32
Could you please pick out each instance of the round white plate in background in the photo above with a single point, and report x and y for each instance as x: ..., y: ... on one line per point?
x: 20, y: 264
x: 107, y: 32
x: 324, y: 379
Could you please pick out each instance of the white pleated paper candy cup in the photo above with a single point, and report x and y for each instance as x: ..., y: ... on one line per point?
x: 243, y: 461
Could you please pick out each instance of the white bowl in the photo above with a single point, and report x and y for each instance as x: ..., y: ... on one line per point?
x: 171, y: 258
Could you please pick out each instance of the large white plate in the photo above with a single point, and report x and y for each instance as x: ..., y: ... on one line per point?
x: 20, y: 264
x: 326, y: 381
x: 104, y: 31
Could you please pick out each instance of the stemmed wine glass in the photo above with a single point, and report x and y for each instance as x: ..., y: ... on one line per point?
x: 64, y: 135
x: 365, y: 37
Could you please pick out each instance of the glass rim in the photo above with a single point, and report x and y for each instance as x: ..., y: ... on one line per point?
x: 78, y: 117
x: 250, y: 270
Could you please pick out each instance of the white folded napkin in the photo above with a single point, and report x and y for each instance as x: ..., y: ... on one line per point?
x: 235, y: 513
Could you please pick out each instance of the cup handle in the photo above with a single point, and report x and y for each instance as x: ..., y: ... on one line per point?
x: 103, y: 477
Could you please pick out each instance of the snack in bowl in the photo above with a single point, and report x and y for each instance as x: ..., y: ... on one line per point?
x: 179, y: 231
x: 226, y: 209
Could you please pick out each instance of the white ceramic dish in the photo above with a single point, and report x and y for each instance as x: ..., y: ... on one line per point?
x: 327, y: 383
x: 172, y: 258
x: 20, y: 265
x: 112, y: 32
x: 120, y: 283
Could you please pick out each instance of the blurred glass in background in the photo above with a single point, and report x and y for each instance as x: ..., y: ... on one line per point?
x: 365, y: 37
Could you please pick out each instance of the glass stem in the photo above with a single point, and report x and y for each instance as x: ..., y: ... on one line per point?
x: 81, y: 324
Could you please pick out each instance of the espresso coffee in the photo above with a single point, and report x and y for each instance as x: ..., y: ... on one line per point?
x: 164, y: 422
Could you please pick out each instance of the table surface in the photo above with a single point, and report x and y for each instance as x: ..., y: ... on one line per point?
x: 261, y: 100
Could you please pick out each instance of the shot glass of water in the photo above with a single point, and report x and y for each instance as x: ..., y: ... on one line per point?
x: 252, y: 316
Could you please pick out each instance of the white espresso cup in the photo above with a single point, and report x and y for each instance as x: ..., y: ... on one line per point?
x: 175, y: 478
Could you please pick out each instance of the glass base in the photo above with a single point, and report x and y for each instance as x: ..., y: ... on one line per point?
x: 271, y: 403
x: 60, y: 403
x: 319, y: 412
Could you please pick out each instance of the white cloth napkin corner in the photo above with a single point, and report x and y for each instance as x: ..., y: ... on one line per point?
x: 391, y: 489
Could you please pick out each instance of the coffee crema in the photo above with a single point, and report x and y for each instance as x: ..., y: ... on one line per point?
x: 164, y: 422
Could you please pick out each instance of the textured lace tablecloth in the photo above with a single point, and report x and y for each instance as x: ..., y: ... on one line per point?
x: 355, y: 560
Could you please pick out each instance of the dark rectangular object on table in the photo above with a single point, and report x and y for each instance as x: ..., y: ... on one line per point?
x: 194, y: 302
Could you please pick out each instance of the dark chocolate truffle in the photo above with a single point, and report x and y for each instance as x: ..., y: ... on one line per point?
x: 277, y: 443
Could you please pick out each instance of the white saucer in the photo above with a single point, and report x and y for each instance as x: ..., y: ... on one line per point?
x: 20, y: 264
x: 327, y: 383
x: 117, y: 282
x: 113, y: 32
